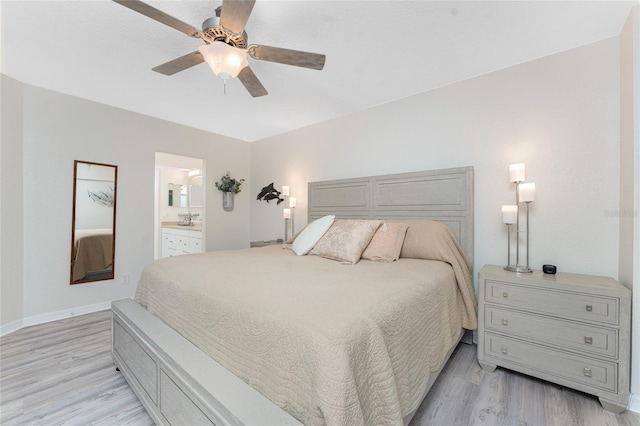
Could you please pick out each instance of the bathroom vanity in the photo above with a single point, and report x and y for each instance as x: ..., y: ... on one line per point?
x: 178, y: 239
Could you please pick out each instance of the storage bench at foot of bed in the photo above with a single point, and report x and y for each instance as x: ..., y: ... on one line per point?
x: 180, y: 384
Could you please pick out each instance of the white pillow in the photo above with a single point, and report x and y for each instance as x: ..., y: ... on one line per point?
x: 311, y: 234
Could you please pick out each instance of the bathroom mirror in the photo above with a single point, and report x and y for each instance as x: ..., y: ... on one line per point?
x: 93, y: 222
x: 177, y: 196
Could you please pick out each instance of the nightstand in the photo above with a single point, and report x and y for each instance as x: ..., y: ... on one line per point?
x: 568, y: 329
x: 264, y: 243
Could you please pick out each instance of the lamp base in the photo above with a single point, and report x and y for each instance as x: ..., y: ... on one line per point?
x: 518, y: 268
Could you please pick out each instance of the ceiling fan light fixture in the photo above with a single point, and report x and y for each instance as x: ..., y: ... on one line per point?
x: 225, y: 61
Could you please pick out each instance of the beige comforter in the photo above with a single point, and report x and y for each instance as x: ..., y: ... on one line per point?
x: 93, y: 251
x: 329, y: 343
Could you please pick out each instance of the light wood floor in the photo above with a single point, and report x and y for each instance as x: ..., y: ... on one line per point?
x: 465, y: 394
x: 62, y: 373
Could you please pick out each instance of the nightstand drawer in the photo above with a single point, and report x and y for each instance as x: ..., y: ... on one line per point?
x: 581, y: 337
x: 560, y: 303
x: 532, y: 358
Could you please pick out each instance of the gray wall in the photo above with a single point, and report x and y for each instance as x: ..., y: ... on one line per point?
x: 11, y: 210
x: 57, y: 129
x: 559, y: 115
x: 629, y: 262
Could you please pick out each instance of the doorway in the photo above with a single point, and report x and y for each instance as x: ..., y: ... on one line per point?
x: 180, y: 190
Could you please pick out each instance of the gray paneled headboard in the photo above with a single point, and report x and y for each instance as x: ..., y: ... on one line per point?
x: 442, y: 195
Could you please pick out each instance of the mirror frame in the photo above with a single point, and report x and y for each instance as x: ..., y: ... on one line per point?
x: 73, y: 223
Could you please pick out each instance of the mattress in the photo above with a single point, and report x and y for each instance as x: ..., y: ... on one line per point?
x: 329, y: 343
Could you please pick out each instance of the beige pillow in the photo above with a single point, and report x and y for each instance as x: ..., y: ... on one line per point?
x: 386, y: 243
x: 346, y: 239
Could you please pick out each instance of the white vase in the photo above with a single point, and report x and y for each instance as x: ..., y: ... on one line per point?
x: 227, y: 201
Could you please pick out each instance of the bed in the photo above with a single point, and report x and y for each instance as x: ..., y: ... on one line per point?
x: 264, y: 336
x: 93, y: 252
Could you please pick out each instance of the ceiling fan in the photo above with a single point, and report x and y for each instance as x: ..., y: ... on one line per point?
x: 226, y: 45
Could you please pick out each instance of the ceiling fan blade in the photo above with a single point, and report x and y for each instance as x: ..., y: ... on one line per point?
x: 235, y: 14
x: 159, y: 16
x: 180, y: 64
x: 287, y: 56
x: 251, y: 82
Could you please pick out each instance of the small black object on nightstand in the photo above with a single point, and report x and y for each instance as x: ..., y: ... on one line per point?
x: 549, y: 269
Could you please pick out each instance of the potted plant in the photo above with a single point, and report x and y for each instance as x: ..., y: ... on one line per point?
x: 228, y: 186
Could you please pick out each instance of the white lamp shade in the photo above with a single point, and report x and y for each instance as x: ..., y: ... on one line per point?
x: 225, y: 61
x: 509, y: 214
x: 285, y: 190
x: 527, y: 192
x: 286, y: 213
x: 292, y: 202
x: 516, y: 172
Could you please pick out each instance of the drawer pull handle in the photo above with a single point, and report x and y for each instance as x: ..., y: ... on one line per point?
x: 587, y: 372
x: 505, y: 294
x: 505, y: 321
x: 504, y: 350
x: 589, y: 308
x: 588, y: 340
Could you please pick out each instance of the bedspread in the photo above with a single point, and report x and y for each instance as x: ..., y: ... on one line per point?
x: 328, y: 343
x: 93, y: 251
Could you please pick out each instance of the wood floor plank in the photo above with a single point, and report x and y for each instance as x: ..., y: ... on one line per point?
x: 531, y: 399
x: 62, y: 373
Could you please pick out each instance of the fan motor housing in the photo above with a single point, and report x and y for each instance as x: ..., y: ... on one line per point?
x: 212, y: 29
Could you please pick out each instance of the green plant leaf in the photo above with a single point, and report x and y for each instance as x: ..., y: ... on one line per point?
x: 229, y: 184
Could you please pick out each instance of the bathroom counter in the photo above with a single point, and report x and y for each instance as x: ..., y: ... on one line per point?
x: 174, y: 225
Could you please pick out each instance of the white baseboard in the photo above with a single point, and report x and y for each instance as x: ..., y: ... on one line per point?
x: 634, y: 403
x: 66, y: 313
x: 53, y: 316
x: 11, y: 327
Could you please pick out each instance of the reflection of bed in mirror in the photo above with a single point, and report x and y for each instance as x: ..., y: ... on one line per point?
x: 322, y: 341
x: 93, y: 254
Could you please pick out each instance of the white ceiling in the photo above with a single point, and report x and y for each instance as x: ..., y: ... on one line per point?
x: 377, y: 52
